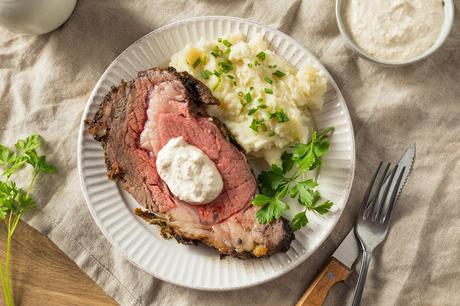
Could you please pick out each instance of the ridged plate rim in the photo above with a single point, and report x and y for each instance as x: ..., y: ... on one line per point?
x: 239, y: 284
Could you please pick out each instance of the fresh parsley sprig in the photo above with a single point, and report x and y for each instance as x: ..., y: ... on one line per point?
x: 15, y: 201
x: 308, y: 197
x: 289, y: 179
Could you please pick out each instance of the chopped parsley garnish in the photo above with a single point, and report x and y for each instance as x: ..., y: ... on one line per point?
x: 280, y: 116
x: 261, y: 55
x: 256, y: 123
x: 250, y: 65
x: 217, y: 73
x: 289, y: 179
x: 206, y: 74
x: 279, y: 74
x: 248, y: 97
x: 251, y: 88
x: 268, y: 80
x: 219, y: 81
x: 255, y: 109
x: 216, y: 52
x: 197, y: 63
x: 268, y: 91
x: 260, y: 100
x: 226, y: 43
x: 219, y: 39
x: 272, y: 66
x: 240, y: 93
x: 256, y: 63
x: 231, y: 77
x: 226, y: 66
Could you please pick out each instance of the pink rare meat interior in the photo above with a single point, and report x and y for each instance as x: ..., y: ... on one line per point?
x: 136, y: 119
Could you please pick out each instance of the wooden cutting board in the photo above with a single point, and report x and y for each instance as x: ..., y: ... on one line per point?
x: 43, y: 275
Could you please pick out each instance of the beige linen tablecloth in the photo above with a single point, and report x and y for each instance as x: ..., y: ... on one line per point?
x: 45, y: 82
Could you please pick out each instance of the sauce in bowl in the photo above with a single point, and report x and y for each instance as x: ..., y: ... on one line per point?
x: 393, y: 30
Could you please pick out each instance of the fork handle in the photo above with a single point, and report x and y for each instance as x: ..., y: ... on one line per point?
x: 333, y: 273
x: 362, y: 278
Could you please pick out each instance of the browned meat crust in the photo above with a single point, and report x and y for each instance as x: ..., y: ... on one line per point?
x: 274, y: 237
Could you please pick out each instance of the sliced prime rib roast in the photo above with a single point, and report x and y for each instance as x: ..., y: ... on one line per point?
x: 228, y: 223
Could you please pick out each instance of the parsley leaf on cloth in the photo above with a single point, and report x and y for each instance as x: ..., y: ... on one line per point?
x: 14, y: 200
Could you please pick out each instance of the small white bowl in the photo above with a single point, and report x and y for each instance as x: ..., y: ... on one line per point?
x: 445, y: 30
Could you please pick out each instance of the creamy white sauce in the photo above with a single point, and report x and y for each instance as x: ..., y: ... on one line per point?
x: 189, y: 173
x: 394, y: 29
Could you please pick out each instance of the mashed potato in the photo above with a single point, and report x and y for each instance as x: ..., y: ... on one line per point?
x: 265, y: 101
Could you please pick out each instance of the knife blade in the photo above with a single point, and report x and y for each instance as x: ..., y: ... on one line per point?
x: 339, y: 266
x: 348, y: 250
x: 406, y: 161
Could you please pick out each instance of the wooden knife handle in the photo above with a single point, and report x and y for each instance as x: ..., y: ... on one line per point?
x: 333, y: 273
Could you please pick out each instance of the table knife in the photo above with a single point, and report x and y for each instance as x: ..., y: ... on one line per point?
x: 337, y: 270
x: 339, y: 267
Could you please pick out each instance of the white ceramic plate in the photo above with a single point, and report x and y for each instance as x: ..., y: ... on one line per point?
x: 198, y: 266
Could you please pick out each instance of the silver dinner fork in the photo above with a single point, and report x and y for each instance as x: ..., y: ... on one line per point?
x: 374, y: 217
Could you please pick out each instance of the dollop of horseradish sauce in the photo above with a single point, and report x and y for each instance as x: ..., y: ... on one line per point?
x: 394, y: 29
x: 189, y: 173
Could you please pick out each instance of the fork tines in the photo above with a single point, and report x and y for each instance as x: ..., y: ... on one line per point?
x: 382, y: 195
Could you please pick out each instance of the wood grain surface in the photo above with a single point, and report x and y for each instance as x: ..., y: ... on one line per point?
x: 316, y: 293
x: 43, y: 275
